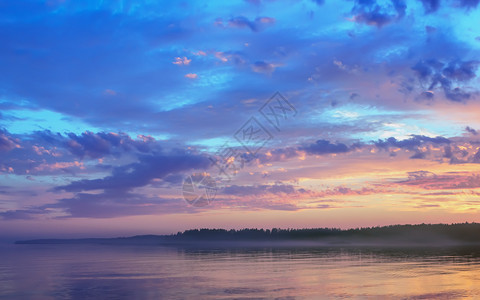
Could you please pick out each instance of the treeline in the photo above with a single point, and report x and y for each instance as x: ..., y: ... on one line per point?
x: 427, y: 234
x: 464, y: 232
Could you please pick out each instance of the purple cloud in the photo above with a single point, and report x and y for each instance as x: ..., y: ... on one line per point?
x: 371, y: 13
x: 141, y: 173
x: 7, y: 143
x: 260, y: 190
x: 436, y: 73
x: 411, y: 143
x: 430, y: 6
x: 256, y: 25
x: 325, y: 147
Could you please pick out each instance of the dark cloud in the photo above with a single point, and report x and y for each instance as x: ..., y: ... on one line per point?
x: 256, y: 25
x: 110, y: 204
x: 412, y: 143
x: 461, y: 71
x: 141, y: 173
x: 435, y: 73
x: 325, y: 147
x: 425, y: 69
x: 469, y: 3
x: 419, y: 155
x: 7, y: 143
x: 116, y: 197
x: 263, y: 67
x: 471, y: 130
x: 113, y: 204
x: 54, y: 153
x: 459, y: 154
x: 430, y: 6
x: 22, y: 214
x: 97, y: 145
x: 427, y: 95
x: 476, y: 158
x: 371, y: 13
x: 322, y: 147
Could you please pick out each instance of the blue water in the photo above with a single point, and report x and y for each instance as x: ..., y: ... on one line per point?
x: 148, y: 272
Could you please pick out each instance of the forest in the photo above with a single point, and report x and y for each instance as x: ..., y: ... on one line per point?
x: 460, y: 233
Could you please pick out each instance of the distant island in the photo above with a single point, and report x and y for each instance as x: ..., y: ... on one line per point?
x: 394, y: 235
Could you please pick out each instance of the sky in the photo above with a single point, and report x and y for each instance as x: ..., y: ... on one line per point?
x: 297, y: 113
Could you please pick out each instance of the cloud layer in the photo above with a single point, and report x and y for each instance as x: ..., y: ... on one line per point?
x: 106, y: 107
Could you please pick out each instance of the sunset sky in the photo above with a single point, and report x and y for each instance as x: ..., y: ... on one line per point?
x: 107, y: 106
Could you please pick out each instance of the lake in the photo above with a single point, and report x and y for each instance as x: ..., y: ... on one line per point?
x: 149, y: 272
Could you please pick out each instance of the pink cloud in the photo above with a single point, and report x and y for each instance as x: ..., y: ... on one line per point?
x: 266, y: 20
x: 181, y: 61
x: 110, y: 92
x: 59, y: 165
x: 41, y: 150
x: 199, y: 53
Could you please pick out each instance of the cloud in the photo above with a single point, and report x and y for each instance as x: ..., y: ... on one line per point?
x: 462, y: 153
x: 411, y: 143
x: 260, y: 190
x: 181, y: 61
x: 110, y: 92
x: 116, y: 197
x: 263, y: 67
x: 430, y: 181
x: 422, y: 174
x: 415, y: 143
x: 141, y: 173
x: 191, y: 76
x: 142, y: 53
x: 279, y: 154
x: 346, y: 191
x: 435, y: 73
x: 7, y: 143
x: 58, y: 166
x: 238, y: 58
x: 22, y: 214
x: 419, y: 155
x: 91, y: 144
x: 259, y: 24
x: 469, y: 3
x: 430, y: 6
x: 112, y: 204
x: 325, y: 147
x: 97, y: 145
x: 371, y: 13
x: 45, y: 152
x: 471, y: 130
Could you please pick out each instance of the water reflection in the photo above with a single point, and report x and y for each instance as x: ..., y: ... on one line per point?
x: 146, y: 272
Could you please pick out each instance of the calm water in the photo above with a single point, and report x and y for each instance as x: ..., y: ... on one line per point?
x: 146, y: 272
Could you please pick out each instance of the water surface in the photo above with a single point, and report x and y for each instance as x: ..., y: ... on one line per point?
x: 149, y: 272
